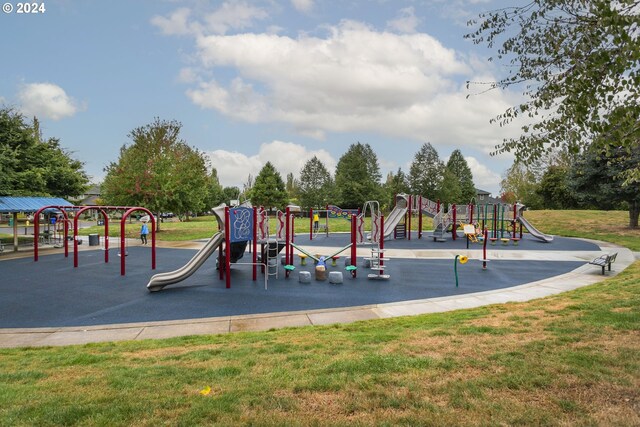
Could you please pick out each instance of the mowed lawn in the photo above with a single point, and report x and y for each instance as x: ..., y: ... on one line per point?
x: 569, y: 359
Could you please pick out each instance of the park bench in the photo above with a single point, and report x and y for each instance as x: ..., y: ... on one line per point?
x: 604, y: 261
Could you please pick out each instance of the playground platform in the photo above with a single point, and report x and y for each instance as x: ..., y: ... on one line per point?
x: 50, y: 303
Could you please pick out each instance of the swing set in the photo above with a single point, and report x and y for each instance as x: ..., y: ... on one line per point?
x: 77, y: 210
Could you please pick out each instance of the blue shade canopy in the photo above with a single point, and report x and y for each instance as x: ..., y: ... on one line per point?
x: 29, y: 204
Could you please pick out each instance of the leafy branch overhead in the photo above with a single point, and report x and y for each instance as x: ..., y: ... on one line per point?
x: 577, y: 63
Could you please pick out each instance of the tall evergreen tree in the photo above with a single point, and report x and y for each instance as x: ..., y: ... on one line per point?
x: 426, y: 172
x: 269, y: 189
x: 460, y: 171
x: 315, y: 184
x: 357, y: 176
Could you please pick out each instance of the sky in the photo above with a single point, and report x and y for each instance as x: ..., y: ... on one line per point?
x: 257, y: 81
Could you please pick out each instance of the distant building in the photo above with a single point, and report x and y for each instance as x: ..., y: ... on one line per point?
x: 91, y: 196
x: 484, y: 198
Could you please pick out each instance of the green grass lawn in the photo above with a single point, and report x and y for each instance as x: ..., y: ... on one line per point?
x: 569, y: 359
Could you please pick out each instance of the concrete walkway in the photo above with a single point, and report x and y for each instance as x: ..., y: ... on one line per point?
x: 582, y: 276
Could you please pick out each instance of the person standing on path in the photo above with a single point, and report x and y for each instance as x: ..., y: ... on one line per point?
x: 143, y: 233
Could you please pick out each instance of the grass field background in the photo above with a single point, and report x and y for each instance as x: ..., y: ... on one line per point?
x: 569, y: 359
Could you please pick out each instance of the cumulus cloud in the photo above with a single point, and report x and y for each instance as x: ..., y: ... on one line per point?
x: 483, y: 177
x: 406, y: 22
x: 304, y: 6
x: 234, y: 167
x: 46, y: 100
x: 233, y: 15
x: 352, y: 78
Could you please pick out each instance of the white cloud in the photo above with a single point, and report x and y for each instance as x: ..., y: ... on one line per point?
x: 304, y: 6
x: 352, y: 79
x: 483, y: 177
x: 176, y: 24
x: 233, y: 167
x: 46, y: 100
x: 406, y: 22
x: 233, y: 15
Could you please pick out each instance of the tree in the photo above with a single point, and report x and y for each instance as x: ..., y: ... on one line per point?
x: 31, y: 166
x: 597, y: 180
x: 577, y: 62
x: 357, y: 176
x: 426, y: 172
x: 315, y: 184
x: 555, y: 189
x: 450, y: 189
x: 158, y: 171
x: 292, y: 186
x: 461, y: 173
x: 396, y: 184
x: 215, y: 194
x: 522, y: 184
x: 229, y: 194
x: 269, y: 189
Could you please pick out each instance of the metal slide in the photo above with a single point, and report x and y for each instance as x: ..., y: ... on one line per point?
x: 534, y: 231
x: 395, y: 216
x: 160, y: 280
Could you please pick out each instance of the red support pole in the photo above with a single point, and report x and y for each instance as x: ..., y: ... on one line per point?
x: 420, y: 217
x: 106, y: 237
x: 311, y: 224
x: 353, y: 243
x: 381, y: 240
x: 227, y: 238
x: 454, y: 226
x: 292, y: 235
x: 287, y: 240
x: 515, y: 215
x: 484, y: 250
x: 75, y: 242
x: 409, y: 219
x: 123, y: 251
x: 255, y: 243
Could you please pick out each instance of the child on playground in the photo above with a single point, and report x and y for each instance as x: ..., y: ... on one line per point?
x: 143, y: 233
x: 316, y: 220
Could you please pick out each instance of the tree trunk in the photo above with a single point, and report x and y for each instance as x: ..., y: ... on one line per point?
x: 634, y: 212
x: 158, y: 222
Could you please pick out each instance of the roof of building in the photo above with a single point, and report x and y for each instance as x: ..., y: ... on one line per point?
x: 479, y: 191
x: 29, y: 204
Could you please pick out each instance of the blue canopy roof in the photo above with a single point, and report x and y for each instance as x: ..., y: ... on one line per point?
x: 29, y: 204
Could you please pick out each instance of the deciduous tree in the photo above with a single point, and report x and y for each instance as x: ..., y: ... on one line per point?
x: 31, y: 166
x: 158, y: 171
x: 577, y: 64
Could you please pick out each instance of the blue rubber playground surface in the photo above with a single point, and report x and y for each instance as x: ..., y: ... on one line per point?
x: 51, y: 293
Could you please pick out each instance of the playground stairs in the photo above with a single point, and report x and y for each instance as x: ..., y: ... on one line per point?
x: 401, y: 231
x: 377, y: 256
x: 439, y: 233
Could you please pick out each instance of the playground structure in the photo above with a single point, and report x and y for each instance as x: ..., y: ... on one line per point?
x: 502, y: 220
x: 78, y: 210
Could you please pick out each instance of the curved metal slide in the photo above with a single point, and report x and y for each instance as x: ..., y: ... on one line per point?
x: 534, y: 231
x: 396, y: 215
x: 160, y: 280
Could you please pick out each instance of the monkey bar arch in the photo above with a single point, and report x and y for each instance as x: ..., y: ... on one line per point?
x: 102, y: 209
